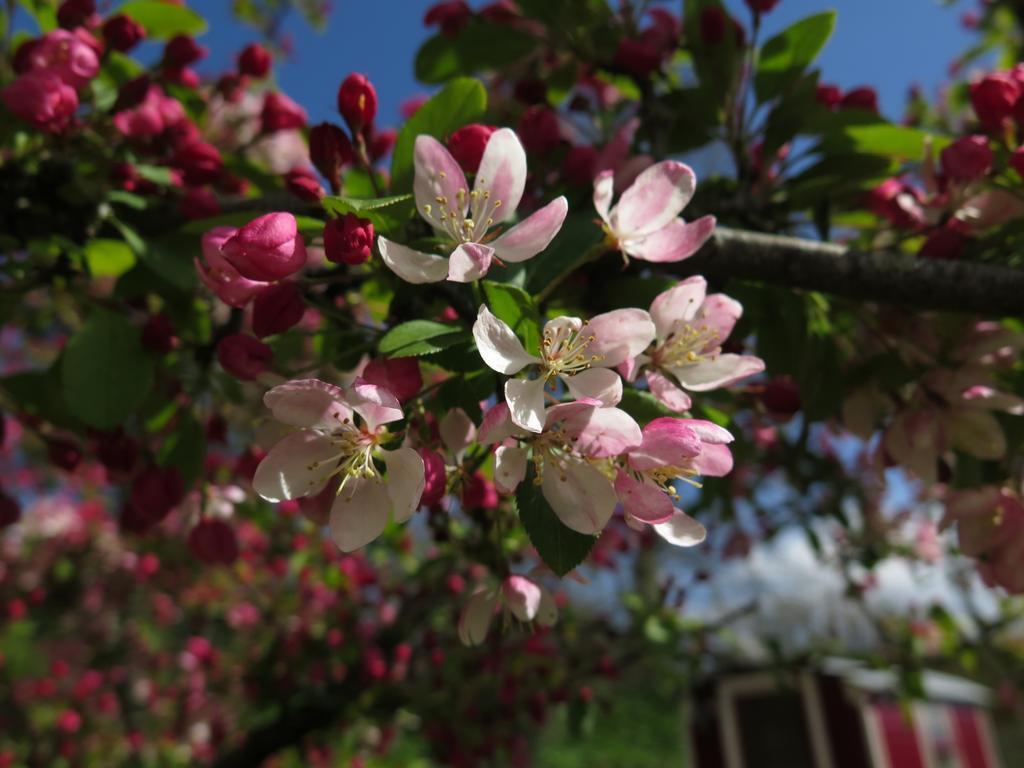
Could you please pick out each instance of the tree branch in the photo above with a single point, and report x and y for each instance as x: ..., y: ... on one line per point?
x: 896, y: 278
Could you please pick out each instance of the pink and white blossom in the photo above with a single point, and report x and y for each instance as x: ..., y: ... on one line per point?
x: 331, y: 441
x: 577, y: 353
x: 520, y: 596
x: 645, y: 223
x: 466, y: 219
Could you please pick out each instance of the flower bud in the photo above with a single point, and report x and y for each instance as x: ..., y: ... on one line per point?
x: 304, y: 184
x: 154, y: 493
x: 637, y: 57
x: 219, y: 276
x: 75, y: 13
x: 158, y: 334
x: 381, y: 143
x: 435, y: 479
x: 182, y: 51
x: 199, y: 162
x: 280, y: 113
x: 539, y: 130
x: 781, y: 398
x: 348, y: 240
x: 946, y: 242
x: 967, y: 159
x: 863, y: 97
x: 479, y: 493
x: 41, y: 99
x: 993, y: 98
x: 198, y: 203
x: 10, y: 510
x: 73, y: 56
x: 467, y: 145
x: 828, y: 95
x: 450, y: 16
x: 276, y: 309
x: 122, y: 33
x: 243, y: 357
x: 399, y: 375
x: 330, y: 150
x: 64, y: 455
x: 267, y: 248
x: 254, y: 61
x: 214, y: 542
x: 761, y: 6
x: 357, y: 102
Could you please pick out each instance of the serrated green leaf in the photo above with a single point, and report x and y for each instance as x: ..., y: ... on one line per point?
x: 163, y: 20
x: 108, y: 258
x: 462, y: 101
x: 784, y: 57
x: 385, y: 213
x: 517, y: 308
x: 421, y: 337
x: 560, y: 547
x: 105, y: 372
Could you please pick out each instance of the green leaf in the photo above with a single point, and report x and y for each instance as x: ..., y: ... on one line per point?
x: 462, y: 101
x: 579, y: 233
x: 465, y: 391
x: 421, y: 337
x: 185, y: 449
x: 105, y: 372
x: 560, y: 547
x: 170, y: 258
x: 108, y: 258
x: 479, y: 45
x: 385, y: 213
x: 162, y: 19
x: 785, y: 57
x: 643, y: 406
x: 881, y: 138
x: 517, y: 308
x: 39, y: 393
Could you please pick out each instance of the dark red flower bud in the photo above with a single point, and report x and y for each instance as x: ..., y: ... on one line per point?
x: 123, y: 33
x: 381, y: 143
x: 214, y: 542
x: 280, y: 113
x: 231, y: 87
x: 434, y: 476
x: 64, y: 454
x: 277, y: 308
x: 479, y: 493
x: 10, y: 510
x: 357, y: 102
x: 117, y: 451
x: 132, y: 93
x: 449, y: 16
x: 154, y: 493
x: 762, y: 6
x: 75, y: 13
x: 781, y: 398
x: 467, y: 145
x: 828, y: 95
x: 330, y: 150
x: 243, y: 356
x: 158, y: 334
x: 348, y: 240
x: 967, y: 159
x: 304, y: 184
x: 198, y: 203
x: 181, y: 51
x: 255, y: 61
x: 863, y: 97
x: 993, y: 98
x: 199, y: 162
x: 539, y: 130
x: 401, y: 376
x: 637, y: 57
x: 946, y: 242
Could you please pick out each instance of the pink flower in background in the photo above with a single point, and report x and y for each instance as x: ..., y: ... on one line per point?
x: 578, y: 354
x: 331, y: 442
x: 465, y: 218
x: 41, y: 99
x: 521, y: 596
x: 690, y: 329
x: 644, y: 223
x: 70, y: 55
x: 990, y: 527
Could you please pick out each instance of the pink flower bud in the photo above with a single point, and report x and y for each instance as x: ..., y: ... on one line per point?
x: 304, y: 184
x: 434, y: 477
x: 214, y: 542
x: 158, y: 334
x: 243, y: 356
x: 276, y: 309
x: 186, y: 77
x: 467, y: 145
x: 479, y: 493
x: 357, y: 102
x: 348, y: 240
x: 967, y: 159
x: 199, y: 162
x: 267, y: 248
x: 993, y: 98
x: 449, y: 16
x: 539, y: 130
x: 280, y: 113
x: 41, y: 99
x: 330, y: 150
x: 10, y: 510
x: 863, y: 97
x: 399, y: 375
x: 254, y: 61
x: 76, y: 13
x: 182, y: 51
x: 122, y: 33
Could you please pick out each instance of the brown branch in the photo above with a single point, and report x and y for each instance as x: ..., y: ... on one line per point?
x: 895, y: 278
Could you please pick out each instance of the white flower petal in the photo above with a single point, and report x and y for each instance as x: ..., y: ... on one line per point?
x: 525, y: 398
x: 298, y: 465
x: 509, y: 468
x: 498, y: 344
x: 682, y: 530
x: 404, y: 482
x: 502, y: 174
x: 580, y: 495
x: 412, y: 266
x: 359, y: 514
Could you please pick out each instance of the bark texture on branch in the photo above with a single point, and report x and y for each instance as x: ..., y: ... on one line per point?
x: 896, y: 278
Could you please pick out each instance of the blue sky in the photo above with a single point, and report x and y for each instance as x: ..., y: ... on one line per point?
x: 889, y: 44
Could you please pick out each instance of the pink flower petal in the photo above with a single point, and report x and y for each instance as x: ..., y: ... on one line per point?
x: 509, y: 468
x: 359, y: 513
x: 667, y: 392
x: 475, y: 618
x: 532, y: 235
x: 602, y: 384
x: 522, y: 597
x: 678, y: 305
x: 297, y: 466
x: 405, y: 481
x: 502, y: 174
x: 525, y: 398
x: 375, y: 404
x: 658, y: 195
x: 717, y: 372
x: 498, y: 344
x: 676, y: 241
x: 439, y: 185
x: 682, y: 530
x: 620, y: 335
x: 643, y: 500
x: 308, y: 403
x: 469, y: 262
x: 604, y: 188
x: 412, y: 266
x: 580, y: 495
